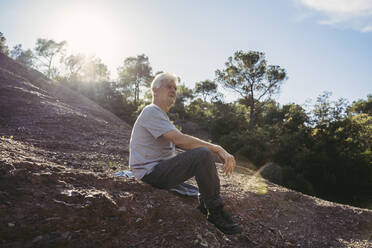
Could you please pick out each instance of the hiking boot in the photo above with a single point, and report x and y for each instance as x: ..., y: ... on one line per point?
x: 204, y: 211
x: 222, y: 221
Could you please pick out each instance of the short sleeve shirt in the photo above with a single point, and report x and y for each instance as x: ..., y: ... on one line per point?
x: 147, y: 145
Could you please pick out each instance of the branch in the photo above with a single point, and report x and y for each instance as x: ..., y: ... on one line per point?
x: 234, y: 89
x: 267, y: 89
x: 42, y: 62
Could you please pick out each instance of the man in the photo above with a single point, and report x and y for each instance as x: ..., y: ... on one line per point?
x: 152, y: 155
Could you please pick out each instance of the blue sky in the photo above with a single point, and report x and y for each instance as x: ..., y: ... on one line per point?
x: 325, y: 45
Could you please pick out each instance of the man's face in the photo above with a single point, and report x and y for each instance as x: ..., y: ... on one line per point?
x: 167, y: 93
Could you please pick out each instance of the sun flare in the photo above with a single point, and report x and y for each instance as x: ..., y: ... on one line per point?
x: 88, y: 33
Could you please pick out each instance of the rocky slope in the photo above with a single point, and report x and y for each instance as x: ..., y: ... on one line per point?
x: 57, y: 153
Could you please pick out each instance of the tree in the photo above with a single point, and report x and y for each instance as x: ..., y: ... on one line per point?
x: 184, y: 94
x: 361, y: 106
x: 25, y: 57
x: 248, y: 74
x: 205, y: 88
x: 47, y: 51
x: 79, y: 69
x: 134, y: 74
x: 74, y: 65
x: 94, y: 70
x: 3, y: 47
x: 326, y: 111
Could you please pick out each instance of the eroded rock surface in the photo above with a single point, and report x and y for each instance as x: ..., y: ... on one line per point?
x: 58, y: 151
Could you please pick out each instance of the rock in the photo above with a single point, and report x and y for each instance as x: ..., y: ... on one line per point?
x: 37, y: 239
x: 122, y: 209
x: 272, y: 172
x: 51, y: 210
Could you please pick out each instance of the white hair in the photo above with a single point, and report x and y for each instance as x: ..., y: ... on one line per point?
x: 163, y: 78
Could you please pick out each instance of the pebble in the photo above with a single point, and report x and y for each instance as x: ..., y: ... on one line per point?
x: 123, y: 209
x: 38, y: 238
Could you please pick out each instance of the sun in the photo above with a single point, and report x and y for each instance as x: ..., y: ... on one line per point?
x: 88, y: 32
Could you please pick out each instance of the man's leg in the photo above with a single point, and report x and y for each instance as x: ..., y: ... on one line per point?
x: 197, y: 162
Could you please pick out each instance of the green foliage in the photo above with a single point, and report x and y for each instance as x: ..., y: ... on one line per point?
x: 95, y: 71
x: 25, y: 57
x: 342, y: 159
x: 326, y: 111
x: 113, y: 165
x: 74, y: 66
x: 198, y: 110
x: 361, y: 106
x: 184, y: 95
x: 78, y: 68
x: 294, y: 180
x: 226, y: 118
x: 206, y: 88
x: 134, y: 75
x: 254, y: 145
x: 327, y: 154
x: 248, y: 75
x: 46, y: 51
x: 3, y: 47
x: 10, y: 137
x: 333, y: 157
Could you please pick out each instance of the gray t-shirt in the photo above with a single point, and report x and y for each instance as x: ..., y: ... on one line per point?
x: 147, y: 145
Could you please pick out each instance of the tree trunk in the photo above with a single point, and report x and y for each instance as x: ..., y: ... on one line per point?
x: 251, y: 114
x: 50, y: 65
x: 136, y: 89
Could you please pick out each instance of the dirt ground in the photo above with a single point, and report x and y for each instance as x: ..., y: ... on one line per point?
x: 58, y: 152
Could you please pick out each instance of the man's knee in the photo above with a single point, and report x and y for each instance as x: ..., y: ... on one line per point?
x: 204, y: 154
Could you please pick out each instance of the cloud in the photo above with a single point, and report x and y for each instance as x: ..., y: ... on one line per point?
x: 355, y: 14
x: 367, y: 29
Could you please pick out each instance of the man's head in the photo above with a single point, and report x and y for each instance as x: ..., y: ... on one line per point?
x: 164, y: 89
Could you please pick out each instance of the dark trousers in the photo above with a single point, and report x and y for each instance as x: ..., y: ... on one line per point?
x: 197, y: 162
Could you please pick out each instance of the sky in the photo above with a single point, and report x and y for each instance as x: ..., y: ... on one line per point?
x: 324, y: 45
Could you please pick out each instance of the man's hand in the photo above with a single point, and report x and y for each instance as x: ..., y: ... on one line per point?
x: 188, y: 142
x: 229, y: 163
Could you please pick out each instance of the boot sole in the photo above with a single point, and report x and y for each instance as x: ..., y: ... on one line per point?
x: 235, y: 230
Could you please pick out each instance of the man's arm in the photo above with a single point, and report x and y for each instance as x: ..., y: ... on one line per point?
x: 188, y: 142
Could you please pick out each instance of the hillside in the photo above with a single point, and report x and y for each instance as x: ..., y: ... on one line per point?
x: 57, y: 189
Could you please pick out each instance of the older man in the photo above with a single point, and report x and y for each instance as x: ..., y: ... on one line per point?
x: 153, y: 159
